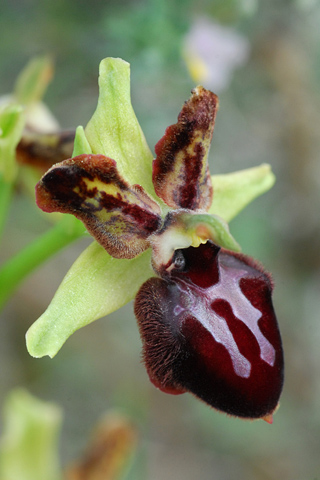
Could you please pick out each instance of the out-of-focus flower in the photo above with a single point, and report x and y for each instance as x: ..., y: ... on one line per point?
x: 29, y: 443
x: 28, y: 92
x: 29, y: 439
x: 212, y: 52
x: 40, y: 143
x: 205, y: 312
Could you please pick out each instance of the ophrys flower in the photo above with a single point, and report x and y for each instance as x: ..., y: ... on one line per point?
x: 204, y: 310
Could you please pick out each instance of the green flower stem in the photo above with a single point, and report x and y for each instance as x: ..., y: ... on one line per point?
x: 6, y: 189
x: 42, y: 248
x: 11, y: 125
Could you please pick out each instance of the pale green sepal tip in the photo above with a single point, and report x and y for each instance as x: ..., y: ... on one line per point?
x: 29, y: 443
x: 96, y: 285
x: 234, y: 191
x: 114, y: 130
x: 81, y: 144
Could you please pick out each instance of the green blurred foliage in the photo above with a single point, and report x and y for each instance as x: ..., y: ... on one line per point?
x: 269, y: 113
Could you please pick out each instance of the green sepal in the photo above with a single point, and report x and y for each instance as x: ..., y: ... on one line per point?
x: 234, y: 191
x: 81, y: 144
x: 114, y: 130
x: 96, y: 285
x: 29, y: 449
x: 33, y: 80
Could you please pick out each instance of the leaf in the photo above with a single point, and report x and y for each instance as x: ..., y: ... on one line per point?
x: 29, y: 441
x: 96, y: 285
x: 234, y: 191
x: 114, y: 130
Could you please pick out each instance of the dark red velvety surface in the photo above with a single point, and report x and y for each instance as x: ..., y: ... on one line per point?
x: 194, y: 340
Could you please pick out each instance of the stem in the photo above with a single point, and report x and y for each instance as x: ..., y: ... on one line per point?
x: 24, y: 262
x: 5, y: 198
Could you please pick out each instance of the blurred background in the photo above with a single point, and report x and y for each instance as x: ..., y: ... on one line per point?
x: 263, y: 60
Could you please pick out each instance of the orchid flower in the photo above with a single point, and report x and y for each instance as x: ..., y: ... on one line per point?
x: 204, y: 309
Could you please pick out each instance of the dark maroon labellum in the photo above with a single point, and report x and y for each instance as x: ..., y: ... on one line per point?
x: 208, y: 327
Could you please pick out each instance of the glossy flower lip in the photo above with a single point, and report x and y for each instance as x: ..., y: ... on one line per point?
x: 169, y: 218
x: 208, y: 327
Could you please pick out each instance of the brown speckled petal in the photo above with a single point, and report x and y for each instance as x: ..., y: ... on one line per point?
x: 119, y: 216
x: 180, y: 171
